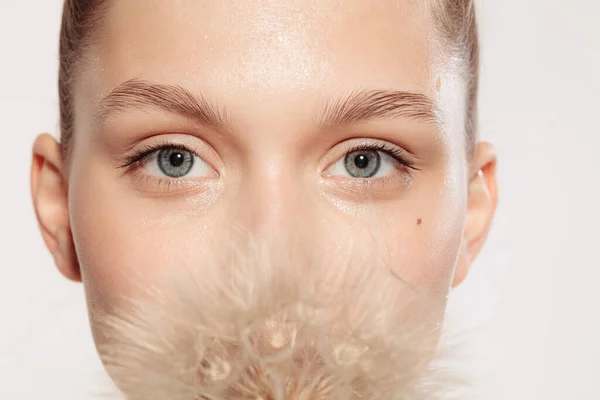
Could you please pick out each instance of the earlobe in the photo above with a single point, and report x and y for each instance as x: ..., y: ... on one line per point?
x: 49, y: 194
x: 481, y: 207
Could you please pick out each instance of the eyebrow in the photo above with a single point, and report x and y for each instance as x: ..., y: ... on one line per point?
x: 139, y: 94
x: 362, y: 106
x: 359, y: 106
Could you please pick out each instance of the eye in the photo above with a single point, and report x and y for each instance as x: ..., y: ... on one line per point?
x: 175, y: 162
x: 364, y: 164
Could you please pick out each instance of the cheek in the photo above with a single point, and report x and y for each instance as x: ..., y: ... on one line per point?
x: 127, y: 245
x: 418, y: 237
x: 425, y: 254
x: 424, y: 247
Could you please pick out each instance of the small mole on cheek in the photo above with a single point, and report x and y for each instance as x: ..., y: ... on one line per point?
x: 420, y: 221
x: 438, y: 84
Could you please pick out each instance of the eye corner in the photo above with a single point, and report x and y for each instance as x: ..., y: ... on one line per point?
x: 132, y: 161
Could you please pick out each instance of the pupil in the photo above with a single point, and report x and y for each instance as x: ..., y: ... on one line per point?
x: 176, y: 159
x: 361, y: 161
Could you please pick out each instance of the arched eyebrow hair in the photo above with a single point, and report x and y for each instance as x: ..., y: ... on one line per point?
x: 142, y: 95
x: 359, y: 106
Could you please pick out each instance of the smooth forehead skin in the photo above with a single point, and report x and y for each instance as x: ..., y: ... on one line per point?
x: 275, y: 46
x: 279, y: 53
x: 270, y: 66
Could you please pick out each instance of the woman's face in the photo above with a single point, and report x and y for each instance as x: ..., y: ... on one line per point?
x: 335, y: 122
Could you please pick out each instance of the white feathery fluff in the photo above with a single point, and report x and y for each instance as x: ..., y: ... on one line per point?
x: 265, y: 321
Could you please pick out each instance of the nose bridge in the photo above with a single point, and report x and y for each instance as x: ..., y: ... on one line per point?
x: 270, y: 195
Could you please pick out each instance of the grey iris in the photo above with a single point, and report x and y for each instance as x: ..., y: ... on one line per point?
x: 363, y: 163
x: 175, y: 163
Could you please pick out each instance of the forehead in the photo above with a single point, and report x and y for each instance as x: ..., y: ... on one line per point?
x: 271, y: 46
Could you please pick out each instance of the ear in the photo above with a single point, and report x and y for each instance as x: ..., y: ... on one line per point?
x: 49, y: 193
x: 481, y: 206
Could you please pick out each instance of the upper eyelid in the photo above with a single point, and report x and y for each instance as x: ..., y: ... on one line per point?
x: 168, y: 145
x: 373, y: 146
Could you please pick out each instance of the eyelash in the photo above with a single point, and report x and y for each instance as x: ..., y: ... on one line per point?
x: 394, y: 152
x: 139, y: 156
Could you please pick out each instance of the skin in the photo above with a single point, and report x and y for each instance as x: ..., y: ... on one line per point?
x: 270, y: 66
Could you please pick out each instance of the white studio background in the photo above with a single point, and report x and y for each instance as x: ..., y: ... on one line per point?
x: 536, y: 286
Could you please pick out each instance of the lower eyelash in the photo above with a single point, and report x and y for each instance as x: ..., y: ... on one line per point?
x: 162, y: 186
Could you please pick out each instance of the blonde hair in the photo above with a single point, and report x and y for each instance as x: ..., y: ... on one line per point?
x: 457, y: 25
x: 456, y: 22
